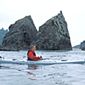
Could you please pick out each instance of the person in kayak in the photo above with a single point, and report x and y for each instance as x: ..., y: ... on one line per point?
x: 31, y: 55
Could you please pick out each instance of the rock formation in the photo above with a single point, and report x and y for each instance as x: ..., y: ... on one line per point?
x: 82, y: 45
x: 54, y: 35
x: 20, y: 35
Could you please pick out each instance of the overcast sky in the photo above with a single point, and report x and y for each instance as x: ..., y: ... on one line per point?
x: 42, y: 10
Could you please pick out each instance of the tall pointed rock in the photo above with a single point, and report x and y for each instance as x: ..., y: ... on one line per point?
x: 20, y: 35
x: 54, y: 35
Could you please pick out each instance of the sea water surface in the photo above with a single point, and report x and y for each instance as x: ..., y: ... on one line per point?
x: 57, y: 74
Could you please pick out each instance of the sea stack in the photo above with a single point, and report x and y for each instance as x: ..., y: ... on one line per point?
x: 54, y: 35
x: 20, y: 35
x: 82, y: 45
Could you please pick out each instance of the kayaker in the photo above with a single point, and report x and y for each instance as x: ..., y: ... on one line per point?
x: 31, y: 55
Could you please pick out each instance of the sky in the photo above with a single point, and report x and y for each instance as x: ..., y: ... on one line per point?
x: 42, y: 10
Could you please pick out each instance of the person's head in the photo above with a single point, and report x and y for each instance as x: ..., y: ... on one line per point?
x: 33, y: 47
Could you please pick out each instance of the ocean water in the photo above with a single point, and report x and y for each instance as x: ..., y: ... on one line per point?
x: 58, y: 74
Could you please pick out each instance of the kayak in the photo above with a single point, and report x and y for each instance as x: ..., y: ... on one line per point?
x: 41, y: 62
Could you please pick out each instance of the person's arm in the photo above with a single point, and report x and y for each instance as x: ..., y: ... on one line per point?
x: 31, y: 56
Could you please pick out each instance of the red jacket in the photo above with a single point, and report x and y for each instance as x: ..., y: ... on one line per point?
x: 31, y: 55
